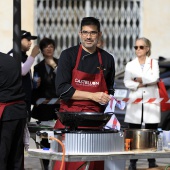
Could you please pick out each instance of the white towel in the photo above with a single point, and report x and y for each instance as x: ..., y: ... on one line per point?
x: 113, y: 123
x: 114, y: 102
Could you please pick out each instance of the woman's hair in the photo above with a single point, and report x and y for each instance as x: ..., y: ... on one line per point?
x: 148, y: 44
x: 45, y: 42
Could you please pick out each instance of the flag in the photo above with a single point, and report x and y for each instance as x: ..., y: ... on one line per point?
x: 114, y: 103
x: 113, y: 123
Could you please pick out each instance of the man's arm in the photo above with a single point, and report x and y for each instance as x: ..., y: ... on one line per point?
x: 99, y: 97
x: 30, y: 60
x: 63, y: 78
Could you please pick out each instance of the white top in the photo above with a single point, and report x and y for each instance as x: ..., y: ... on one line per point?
x: 27, y: 65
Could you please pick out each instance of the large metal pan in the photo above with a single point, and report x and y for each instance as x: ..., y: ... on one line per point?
x: 141, y: 139
x: 83, y: 119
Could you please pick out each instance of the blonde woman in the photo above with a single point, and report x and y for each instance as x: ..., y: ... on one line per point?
x: 141, y: 77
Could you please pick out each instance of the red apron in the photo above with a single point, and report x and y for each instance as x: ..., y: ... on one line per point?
x: 84, y: 82
x: 3, y: 105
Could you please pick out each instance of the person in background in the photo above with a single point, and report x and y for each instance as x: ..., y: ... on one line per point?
x: 27, y: 62
x: 13, y: 114
x: 46, y: 71
x: 46, y: 87
x: 88, y: 63
x: 100, y: 43
x: 141, y: 77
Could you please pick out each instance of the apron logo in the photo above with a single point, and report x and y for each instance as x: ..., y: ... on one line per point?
x: 86, y: 82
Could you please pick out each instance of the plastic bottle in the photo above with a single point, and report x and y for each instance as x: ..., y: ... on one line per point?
x: 35, y: 80
x: 160, y: 140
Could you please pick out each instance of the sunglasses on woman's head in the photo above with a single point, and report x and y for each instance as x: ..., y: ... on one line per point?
x: 140, y: 47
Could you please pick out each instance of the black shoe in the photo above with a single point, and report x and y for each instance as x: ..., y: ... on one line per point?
x: 152, y: 165
x: 132, y: 167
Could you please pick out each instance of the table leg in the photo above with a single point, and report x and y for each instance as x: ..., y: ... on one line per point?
x: 38, y: 147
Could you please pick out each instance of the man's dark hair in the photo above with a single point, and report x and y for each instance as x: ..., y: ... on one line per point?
x: 90, y: 21
x: 45, y: 42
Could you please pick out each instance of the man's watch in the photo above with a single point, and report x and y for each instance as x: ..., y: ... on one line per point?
x: 134, y: 79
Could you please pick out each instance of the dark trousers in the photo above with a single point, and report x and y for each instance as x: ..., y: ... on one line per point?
x: 147, y: 126
x: 11, y: 144
x: 28, y: 106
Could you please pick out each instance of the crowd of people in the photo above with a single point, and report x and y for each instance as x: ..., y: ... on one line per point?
x: 57, y: 79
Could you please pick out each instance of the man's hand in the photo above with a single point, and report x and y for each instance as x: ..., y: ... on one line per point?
x: 35, y: 51
x: 101, y: 97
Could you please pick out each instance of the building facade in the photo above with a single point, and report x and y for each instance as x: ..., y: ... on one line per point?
x: 122, y: 21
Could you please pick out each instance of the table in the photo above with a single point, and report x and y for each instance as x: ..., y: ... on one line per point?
x: 39, y: 153
x: 108, y: 156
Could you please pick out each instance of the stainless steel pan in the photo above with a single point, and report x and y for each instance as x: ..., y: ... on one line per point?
x: 141, y: 139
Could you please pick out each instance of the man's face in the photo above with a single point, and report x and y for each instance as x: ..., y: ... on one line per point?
x: 25, y: 44
x: 89, y: 36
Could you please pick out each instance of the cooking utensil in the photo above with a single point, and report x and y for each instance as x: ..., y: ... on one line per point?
x: 84, y: 119
x: 141, y: 139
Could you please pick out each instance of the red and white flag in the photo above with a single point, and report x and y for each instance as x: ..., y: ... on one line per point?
x: 113, y: 123
x: 114, y: 103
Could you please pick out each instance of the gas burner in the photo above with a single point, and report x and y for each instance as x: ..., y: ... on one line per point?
x: 88, y: 140
x: 84, y: 133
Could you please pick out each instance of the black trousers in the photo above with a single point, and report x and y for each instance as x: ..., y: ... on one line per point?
x: 139, y: 126
x: 147, y: 126
x: 11, y: 144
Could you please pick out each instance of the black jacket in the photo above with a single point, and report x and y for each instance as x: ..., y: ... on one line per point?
x: 45, y: 90
x: 89, y: 63
x: 11, y: 88
x: 26, y: 80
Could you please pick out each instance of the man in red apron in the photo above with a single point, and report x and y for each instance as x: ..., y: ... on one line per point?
x: 13, y: 114
x: 85, y: 76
